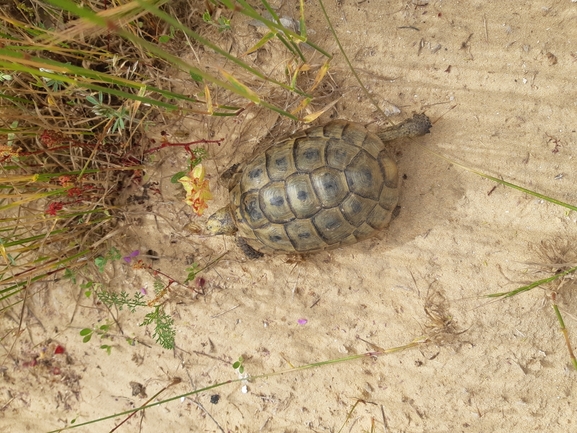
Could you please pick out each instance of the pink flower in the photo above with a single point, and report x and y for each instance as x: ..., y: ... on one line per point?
x: 132, y: 255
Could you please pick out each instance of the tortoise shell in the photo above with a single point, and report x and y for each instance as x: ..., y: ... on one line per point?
x: 323, y: 188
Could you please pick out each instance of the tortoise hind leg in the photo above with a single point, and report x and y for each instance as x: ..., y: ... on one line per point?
x: 416, y: 126
x: 248, y: 251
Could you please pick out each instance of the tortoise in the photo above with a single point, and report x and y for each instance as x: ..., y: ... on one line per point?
x: 319, y: 189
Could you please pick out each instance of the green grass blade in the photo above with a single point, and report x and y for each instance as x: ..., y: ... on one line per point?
x: 503, y: 182
x: 531, y: 286
x: 527, y: 191
x: 250, y: 12
x: 45, y: 270
x: 291, y: 46
x: 173, y: 22
x: 413, y: 344
x: 33, y: 197
x: 160, y: 52
x: 342, y: 50
x: 17, y: 61
x: 267, y: 37
x: 565, y: 333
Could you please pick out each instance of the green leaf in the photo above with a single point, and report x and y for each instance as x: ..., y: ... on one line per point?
x: 224, y: 24
x: 158, y: 286
x: 100, y: 263
x: 192, y: 272
x: 87, y: 338
x: 93, y: 100
x: 86, y: 331
x: 87, y: 285
x: 240, y: 88
x: 164, y: 331
x: 176, y: 176
x: 114, y: 254
x: 206, y: 17
x: 260, y: 43
x: 195, y: 76
x: 68, y: 274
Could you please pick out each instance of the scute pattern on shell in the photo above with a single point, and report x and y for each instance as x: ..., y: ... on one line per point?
x: 325, y: 187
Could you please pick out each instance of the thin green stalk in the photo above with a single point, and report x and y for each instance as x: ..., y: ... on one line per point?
x: 342, y: 50
x: 176, y: 24
x: 531, y: 286
x: 527, y: 191
x: 291, y: 46
x: 233, y: 87
x: 18, y: 63
x: 250, y: 12
x: 414, y: 343
x: 503, y: 182
x: 565, y: 333
x: 16, y: 288
x: 36, y: 196
x: 17, y: 56
x: 22, y: 241
x: 349, y: 415
x: 62, y: 215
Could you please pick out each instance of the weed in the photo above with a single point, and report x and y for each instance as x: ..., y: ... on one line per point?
x: 121, y: 300
x: 101, y: 331
x: 238, y: 365
x: 101, y: 109
x: 112, y: 255
x: 193, y: 271
x: 164, y: 39
x: 222, y: 23
x: 164, y: 331
x: 89, y: 287
x: 558, y: 258
x: 87, y: 333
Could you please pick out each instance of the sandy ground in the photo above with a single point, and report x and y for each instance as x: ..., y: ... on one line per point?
x: 498, y: 80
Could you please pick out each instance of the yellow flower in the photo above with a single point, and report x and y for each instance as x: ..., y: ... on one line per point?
x: 197, y: 190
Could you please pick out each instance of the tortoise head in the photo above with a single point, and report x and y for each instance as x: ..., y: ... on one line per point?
x: 221, y: 222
